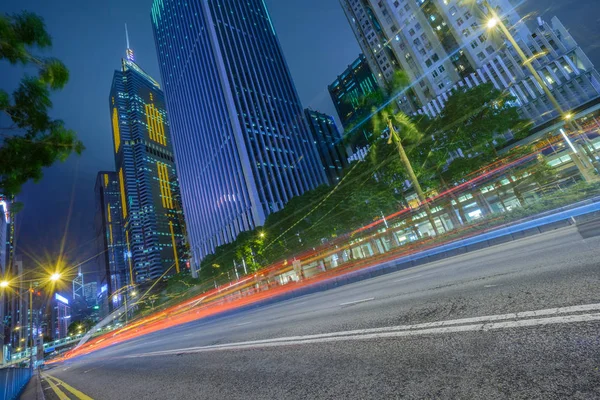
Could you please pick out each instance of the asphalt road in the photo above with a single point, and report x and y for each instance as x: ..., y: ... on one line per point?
x: 384, y: 337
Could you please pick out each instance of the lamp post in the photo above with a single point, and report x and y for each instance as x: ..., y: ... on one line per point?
x: 494, y: 20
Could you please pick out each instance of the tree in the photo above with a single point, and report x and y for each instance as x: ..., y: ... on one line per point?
x: 32, y: 140
x: 464, y: 137
x: 77, y: 327
x: 400, y: 129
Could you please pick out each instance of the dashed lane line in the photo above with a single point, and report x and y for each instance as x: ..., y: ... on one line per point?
x: 551, y: 316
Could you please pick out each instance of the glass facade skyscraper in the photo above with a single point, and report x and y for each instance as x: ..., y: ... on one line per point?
x: 146, y: 173
x: 328, y: 140
x: 354, y: 83
x: 242, y: 144
x: 112, y: 249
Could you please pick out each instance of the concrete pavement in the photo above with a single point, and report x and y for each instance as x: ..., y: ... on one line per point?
x: 360, y: 340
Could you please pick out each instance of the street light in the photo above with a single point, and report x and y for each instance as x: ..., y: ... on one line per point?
x: 492, y: 22
x: 55, y: 277
x: 4, y: 284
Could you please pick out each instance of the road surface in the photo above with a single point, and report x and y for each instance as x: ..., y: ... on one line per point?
x: 516, y: 321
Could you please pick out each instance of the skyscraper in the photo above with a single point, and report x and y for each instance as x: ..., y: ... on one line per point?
x: 346, y: 91
x: 147, y: 177
x: 328, y: 141
x: 242, y: 144
x: 436, y: 43
x: 112, y: 248
x: 440, y: 45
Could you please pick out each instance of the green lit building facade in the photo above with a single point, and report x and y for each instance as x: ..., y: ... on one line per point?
x: 346, y: 91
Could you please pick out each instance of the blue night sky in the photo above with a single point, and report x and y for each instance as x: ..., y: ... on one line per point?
x: 89, y: 37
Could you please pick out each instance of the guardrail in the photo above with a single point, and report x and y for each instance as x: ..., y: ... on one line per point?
x: 48, y: 348
x: 13, y: 381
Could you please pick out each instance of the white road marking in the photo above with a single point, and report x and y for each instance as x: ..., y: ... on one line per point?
x: 483, y: 324
x: 189, y: 334
x: 410, y: 277
x: 153, y: 342
x: 357, y: 301
x: 489, y: 286
x: 483, y: 327
x: 243, y: 323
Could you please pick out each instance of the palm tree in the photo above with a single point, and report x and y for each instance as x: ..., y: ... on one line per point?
x: 391, y: 120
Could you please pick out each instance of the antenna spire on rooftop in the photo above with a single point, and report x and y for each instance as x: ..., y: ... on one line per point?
x: 129, y: 51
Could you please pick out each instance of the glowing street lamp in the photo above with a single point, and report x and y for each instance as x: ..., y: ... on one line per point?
x: 4, y: 284
x: 492, y: 22
x: 55, y: 277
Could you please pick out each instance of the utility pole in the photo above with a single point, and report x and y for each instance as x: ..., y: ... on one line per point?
x: 126, y: 310
x: 395, y: 137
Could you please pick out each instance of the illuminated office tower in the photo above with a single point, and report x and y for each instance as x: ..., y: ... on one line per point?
x: 242, y: 143
x: 328, y: 140
x: 146, y: 175
x: 113, y: 263
x: 356, y: 82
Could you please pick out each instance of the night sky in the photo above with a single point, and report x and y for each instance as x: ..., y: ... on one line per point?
x: 89, y: 37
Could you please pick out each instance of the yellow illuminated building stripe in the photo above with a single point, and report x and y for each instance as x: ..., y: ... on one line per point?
x: 116, y: 129
x: 160, y: 183
x: 110, y: 234
x: 165, y: 185
x: 149, y: 123
x: 161, y: 128
x: 106, y: 180
x: 174, y: 247
x: 156, y: 125
x: 123, y: 197
x: 108, y: 213
x: 168, y: 187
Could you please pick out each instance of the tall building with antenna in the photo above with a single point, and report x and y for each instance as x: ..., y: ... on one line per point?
x: 243, y: 146
x: 151, y: 213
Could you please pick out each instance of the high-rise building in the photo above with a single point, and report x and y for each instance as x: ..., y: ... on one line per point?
x: 242, y: 144
x: 440, y: 45
x: 4, y: 234
x: 564, y: 67
x: 78, y: 285
x: 436, y: 43
x: 4, y: 246
x: 60, y: 317
x: 328, y: 140
x: 90, y: 293
x: 146, y: 175
x: 112, y: 248
x: 346, y: 91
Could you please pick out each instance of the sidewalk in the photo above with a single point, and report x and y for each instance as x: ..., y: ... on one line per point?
x: 33, y: 390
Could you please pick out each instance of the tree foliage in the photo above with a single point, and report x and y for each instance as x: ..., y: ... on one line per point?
x: 442, y: 151
x: 32, y: 140
x: 307, y: 221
